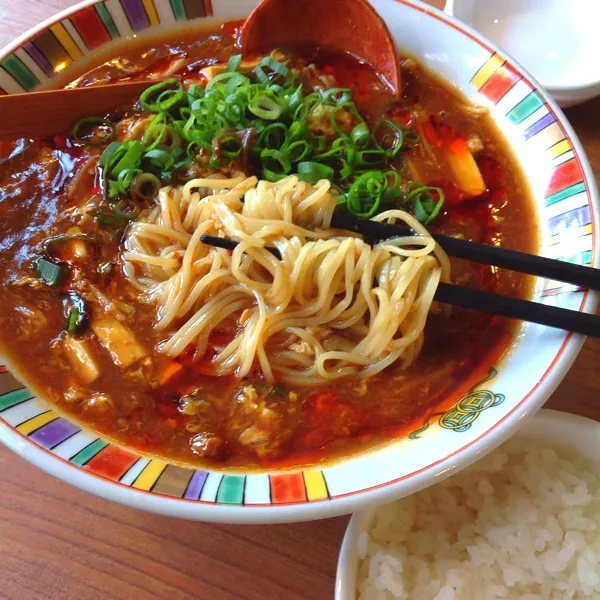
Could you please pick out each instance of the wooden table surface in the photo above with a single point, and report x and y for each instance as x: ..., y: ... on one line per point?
x: 58, y: 542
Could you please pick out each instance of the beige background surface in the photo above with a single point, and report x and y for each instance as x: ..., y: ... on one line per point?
x: 57, y: 542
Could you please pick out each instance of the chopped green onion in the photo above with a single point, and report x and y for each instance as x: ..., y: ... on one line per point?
x: 265, y: 108
x: 150, y: 98
x: 392, y: 191
x: 395, y: 131
x: 228, y: 145
x: 116, y: 215
x: 195, y: 92
x: 411, y: 136
x: 52, y: 241
x: 133, y: 152
x: 365, y: 194
x: 294, y: 100
x: 160, y: 159
x: 73, y: 319
x: 192, y: 151
x: 111, y: 155
x: 360, y: 135
x: 273, y: 136
x: 93, y: 131
x: 307, y: 107
x: 270, y: 175
x: 298, y: 151
x: 170, y: 140
x: 223, y: 79
x: 346, y: 169
x: 170, y: 98
x: 261, y: 75
x: 312, y: 172
x: 265, y: 120
x: 275, y: 66
x: 233, y: 64
x: 113, y: 190
x: 424, y: 205
x: 155, y: 131
x: 109, y: 152
x: 370, y: 158
x: 336, y: 96
x: 125, y: 178
x: 276, y: 162
x: 105, y: 270
x: 320, y: 143
x: 49, y: 272
x: 76, y: 313
x: 341, y: 147
x: 269, y: 70
x: 298, y: 130
x: 146, y: 186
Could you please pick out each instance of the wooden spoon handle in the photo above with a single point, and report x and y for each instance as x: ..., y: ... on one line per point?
x: 40, y: 114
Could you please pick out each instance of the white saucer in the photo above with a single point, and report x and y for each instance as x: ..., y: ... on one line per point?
x: 558, y: 41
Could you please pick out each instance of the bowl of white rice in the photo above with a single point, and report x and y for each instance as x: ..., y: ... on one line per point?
x: 523, y: 523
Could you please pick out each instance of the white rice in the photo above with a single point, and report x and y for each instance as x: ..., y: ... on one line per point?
x: 523, y: 524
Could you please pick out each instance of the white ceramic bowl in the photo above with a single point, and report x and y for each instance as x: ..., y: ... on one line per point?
x: 556, y: 40
x: 548, y: 428
x: 566, y: 203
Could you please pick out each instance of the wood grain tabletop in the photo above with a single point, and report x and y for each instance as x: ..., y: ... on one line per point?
x: 57, y: 542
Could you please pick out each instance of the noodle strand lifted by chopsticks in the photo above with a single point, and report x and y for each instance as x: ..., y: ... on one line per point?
x: 332, y: 306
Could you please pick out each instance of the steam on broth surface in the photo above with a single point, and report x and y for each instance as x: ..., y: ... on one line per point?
x: 116, y: 311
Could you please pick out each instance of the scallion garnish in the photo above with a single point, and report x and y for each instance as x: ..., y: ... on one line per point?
x: 146, y: 186
x: 116, y: 215
x: 426, y: 201
x: 77, y: 316
x: 233, y: 63
x: 134, y: 150
x: 265, y: 107
x: 105, y: 270
x: 365, y: 194
x: 57, y: 240
x: 389, y: 137
x: 160, y: 159
x: 370, y: 158
x: 151, y: 98
x: 72, y: 320
x: 125, y: 179
x: 49, y: 272
x: 93, y: 131
x: 311, y: 172
x: 109, y: 151
x: 360, y: 135
x: 265, y: 120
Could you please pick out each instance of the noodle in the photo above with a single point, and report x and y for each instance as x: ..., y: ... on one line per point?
x: 332, y: 306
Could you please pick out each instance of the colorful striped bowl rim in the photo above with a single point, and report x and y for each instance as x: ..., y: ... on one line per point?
x: 534, y: 126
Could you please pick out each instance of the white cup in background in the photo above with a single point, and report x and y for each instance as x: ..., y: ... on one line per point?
x: 558, y: 41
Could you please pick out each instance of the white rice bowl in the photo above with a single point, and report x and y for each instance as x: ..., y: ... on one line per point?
x: 523, y: 523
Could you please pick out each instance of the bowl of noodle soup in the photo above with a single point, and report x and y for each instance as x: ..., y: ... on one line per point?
x: 197, y: 335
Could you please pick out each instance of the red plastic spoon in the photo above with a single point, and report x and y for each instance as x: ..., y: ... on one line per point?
x: 351, y: 26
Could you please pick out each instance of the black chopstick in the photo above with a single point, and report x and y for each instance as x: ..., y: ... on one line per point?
x: 559, y: 270
x: 505, y: 306
x: 219, y: 242
x: 515, y: 308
